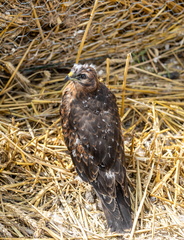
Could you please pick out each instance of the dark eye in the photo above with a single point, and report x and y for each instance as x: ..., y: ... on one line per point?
x: 83, y: 76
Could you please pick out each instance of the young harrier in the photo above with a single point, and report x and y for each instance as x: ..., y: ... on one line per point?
x: 92, y: 132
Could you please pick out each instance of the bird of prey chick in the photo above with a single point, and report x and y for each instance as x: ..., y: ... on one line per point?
x: 92, y: 132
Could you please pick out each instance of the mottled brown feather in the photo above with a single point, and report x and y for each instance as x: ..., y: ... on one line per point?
x: 92, y: 132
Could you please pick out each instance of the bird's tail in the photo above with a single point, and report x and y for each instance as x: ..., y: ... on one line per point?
x: 117, y: 211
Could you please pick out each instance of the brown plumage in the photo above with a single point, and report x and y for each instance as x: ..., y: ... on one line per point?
x: 92, y: 132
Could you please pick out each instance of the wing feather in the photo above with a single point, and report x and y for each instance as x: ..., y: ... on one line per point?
x: 97, y: 134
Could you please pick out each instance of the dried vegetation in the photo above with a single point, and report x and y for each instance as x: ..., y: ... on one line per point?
x: 40, y: 195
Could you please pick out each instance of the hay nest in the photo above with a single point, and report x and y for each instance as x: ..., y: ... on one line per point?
x: 41, y: 196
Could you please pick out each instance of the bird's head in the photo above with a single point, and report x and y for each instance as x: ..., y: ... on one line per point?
x: 84, y: 77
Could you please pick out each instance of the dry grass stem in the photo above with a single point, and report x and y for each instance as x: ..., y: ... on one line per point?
x: 41, y: 196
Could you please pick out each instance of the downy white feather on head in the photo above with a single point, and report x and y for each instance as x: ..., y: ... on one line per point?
x: 78, y: 67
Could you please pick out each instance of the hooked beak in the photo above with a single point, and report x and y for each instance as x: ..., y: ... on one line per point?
x: 70, y: 77
x: 67, y: 78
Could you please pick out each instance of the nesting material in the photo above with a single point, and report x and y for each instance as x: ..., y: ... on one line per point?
x: 40, y: 195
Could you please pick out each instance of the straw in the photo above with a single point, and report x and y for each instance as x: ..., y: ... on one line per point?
x: 41, y: 196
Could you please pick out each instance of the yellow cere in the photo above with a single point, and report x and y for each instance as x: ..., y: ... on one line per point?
x: 70, y: 74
